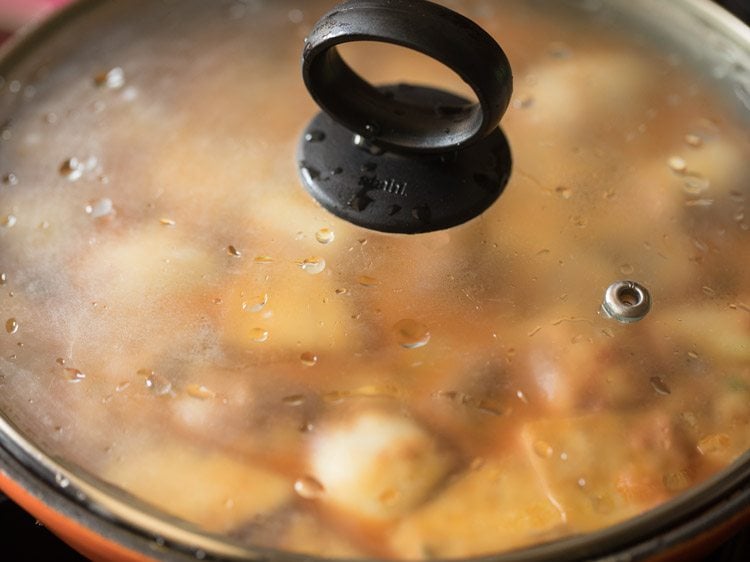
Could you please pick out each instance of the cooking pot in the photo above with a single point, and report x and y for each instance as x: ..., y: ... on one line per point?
x: 240, y: 326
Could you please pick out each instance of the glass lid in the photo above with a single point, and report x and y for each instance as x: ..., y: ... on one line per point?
x: 195, y: 341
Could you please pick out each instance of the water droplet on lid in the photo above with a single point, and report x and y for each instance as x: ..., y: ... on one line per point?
x: 11, y: 325
x: 543, y: 449
x: 72, y: 169
x: 559, y: 50
x: 335, y: 396
x: 14, y: 87
x: 523, y: 102
x: 708, y: 291
x: 411, y: 334
x: 232, y: 251
x: 113, y: 79
x: 342, y: 291
x: 122, y: 386
x: 200, y: 392
x: 309, y: 359
x: 3, y: 278
x: 677, y: 164
x: 660, y: 386
x: 695, y: 184
x: 9, y: 221
x: 315, y: 136
x: 362, y: 143
x: 61, y: 480
x: 694, y: 140
x: 255, y: 304
x: 367, y: 281
x: 91, y: 163
x: 422, y: 213
x: 360, y: 202
x: 129, y: 94
x: 167, y: 222
x: 325, y: 236
x: 564, y: 192
x: 308, y: 488
x: 10, y: 179
x: 74, y: 375
x: 158, y: 384
x: 294, y: 400
x: 263, y: 259
x: 259, y: 335
x: 100, y: 208
x: 306, y: 427
x: 626, y: 269
x: 692, y: 355
x: 704, y: 202
x: 60, y: 361
x: 371, y: 129
x: 295, y: 16
x: 714, y: 443
x: 313, y: 266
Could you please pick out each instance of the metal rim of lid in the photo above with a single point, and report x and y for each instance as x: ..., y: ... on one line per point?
x: 719, y: 500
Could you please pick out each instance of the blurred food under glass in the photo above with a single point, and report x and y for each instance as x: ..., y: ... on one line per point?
x: 185, y: 327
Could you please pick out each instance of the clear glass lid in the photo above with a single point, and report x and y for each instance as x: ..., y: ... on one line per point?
x: 184, y: 323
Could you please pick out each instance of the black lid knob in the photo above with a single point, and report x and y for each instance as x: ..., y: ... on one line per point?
x: 405, y: 158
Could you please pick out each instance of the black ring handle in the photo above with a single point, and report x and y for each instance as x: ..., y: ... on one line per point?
x: 422, y: 26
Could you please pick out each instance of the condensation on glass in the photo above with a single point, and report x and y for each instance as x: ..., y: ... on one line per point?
x: 184, y: 322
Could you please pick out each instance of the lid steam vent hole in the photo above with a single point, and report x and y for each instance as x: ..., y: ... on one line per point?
x: 626, y: 302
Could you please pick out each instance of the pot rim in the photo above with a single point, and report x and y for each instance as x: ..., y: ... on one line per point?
x: 724, y: 499
x: 111, y: 512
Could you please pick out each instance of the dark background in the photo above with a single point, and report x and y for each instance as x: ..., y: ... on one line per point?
x: 739, y: 7
x: 22, y: 539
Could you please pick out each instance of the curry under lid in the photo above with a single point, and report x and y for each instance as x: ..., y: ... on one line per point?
x: 184, y: 322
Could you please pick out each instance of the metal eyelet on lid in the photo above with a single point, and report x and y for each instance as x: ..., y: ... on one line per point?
x: 626, y: 302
